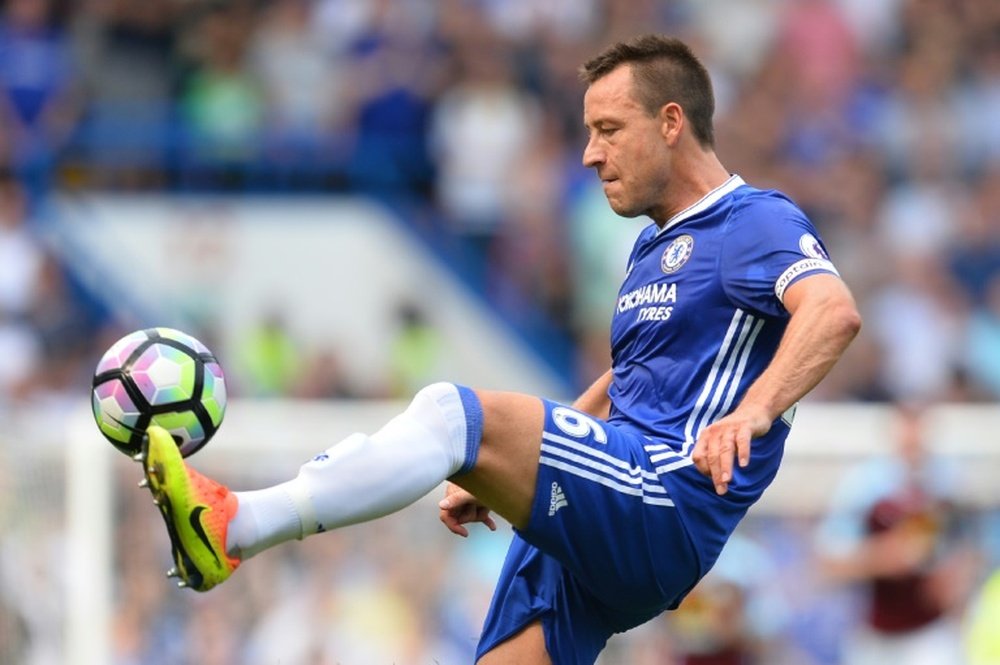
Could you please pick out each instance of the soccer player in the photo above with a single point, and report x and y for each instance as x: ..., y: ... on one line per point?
x: 730, y: 312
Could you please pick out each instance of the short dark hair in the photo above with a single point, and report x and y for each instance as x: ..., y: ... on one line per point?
x: 664, y: 70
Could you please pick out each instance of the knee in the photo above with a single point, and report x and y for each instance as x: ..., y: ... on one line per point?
x: 510, y: 416
x: 430, y: 396
x: 452, y: 409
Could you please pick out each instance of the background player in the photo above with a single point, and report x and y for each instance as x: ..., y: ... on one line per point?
x: 897, y: 531
x: 729, y: 313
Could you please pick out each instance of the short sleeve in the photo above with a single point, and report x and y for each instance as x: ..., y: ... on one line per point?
x: 768, y: 246
x: 645, y: 236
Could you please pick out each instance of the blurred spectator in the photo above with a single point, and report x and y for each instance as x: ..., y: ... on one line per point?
x: 127, y: 54
x: 822, y: 49
x: 483, y: 114
x: 981, y: 346
x: 979, y: 88
x: 896, y: 529
x: 38, y: 95
x: 735, y: 615
x: 323, y: 377
x: 305, y: 85
x: 303, y: 80
x: 416, y: 353
x: 530, y: 270
x: 222, y: 99
x: 21, y: 261
x: 735, y: 47
x: 400, y: 69
x: 920, y: 215
x: 269, y: 360
x: 20, y: 255
x: 974, y: 256
x: 922, y: 104
x: 65, y: 331
x: 860, y: 379
x: 916, y: 321
x: 873, y: 23
x: 599, y: 239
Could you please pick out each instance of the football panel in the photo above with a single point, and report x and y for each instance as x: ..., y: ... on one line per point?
x: 119, y: 352
x: 185, y: 427
x: 164, y: 374
x: 183, y: 338
x: 213, y: 394
x: 116, y: 414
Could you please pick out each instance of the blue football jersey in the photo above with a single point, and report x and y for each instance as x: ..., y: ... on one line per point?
x: 698, y: 319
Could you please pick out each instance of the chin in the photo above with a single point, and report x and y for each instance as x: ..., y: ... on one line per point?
x: 624, y: 211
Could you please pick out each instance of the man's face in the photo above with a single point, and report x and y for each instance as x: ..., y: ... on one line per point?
x: 626, y: 146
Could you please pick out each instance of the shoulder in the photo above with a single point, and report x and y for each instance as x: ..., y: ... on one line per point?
x: 766, y: 216
x: 764, y: 205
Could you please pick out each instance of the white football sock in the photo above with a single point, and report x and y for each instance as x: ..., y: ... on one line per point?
x: 365, y: 477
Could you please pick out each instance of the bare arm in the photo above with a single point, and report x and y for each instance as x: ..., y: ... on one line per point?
x: 892, y: 553
x: 824, y: 321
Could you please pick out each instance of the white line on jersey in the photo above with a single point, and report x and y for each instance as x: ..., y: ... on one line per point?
x: 751, y: 328
x: 583, y: 462
x: 706, y: 412
x: 607, y: 482
x: 598, y: 454
x: 689, y: 434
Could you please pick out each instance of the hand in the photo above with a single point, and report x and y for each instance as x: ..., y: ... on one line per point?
x: 725, y: 439
x: 459, y: 507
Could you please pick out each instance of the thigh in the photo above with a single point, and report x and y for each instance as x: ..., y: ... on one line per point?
x: 503, y: 477
x: 603, y: 513
x: 526, y: 647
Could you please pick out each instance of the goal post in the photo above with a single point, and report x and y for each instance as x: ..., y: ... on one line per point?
x: 89, y: 536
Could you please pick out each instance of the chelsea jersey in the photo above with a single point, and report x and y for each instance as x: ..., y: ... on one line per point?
x: 699, y: 317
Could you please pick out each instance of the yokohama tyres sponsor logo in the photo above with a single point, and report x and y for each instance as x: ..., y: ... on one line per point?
x: 650, y: 294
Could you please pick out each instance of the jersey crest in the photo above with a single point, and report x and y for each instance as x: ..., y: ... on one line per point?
x: 676, y: 254
x: 810, y: 247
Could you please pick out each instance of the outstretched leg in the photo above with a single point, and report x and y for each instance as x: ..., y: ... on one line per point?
x: 487, y: 442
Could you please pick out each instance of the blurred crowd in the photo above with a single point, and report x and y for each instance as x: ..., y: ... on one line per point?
x: 879, y: 119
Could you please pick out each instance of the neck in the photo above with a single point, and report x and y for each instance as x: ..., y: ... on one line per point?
x: 694, y: 175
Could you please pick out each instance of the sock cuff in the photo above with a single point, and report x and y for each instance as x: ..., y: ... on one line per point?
x: 473, y: 426
x: 302, y: 504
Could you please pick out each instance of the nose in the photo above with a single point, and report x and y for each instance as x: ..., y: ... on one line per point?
x: 593, y: 155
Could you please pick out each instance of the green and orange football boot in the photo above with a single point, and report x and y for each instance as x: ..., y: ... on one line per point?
x: 196, y: 510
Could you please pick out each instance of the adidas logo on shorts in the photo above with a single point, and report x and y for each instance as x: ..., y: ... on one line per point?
x: 558, y: 499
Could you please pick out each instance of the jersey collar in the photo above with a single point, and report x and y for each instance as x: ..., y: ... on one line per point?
x: 705, y: 202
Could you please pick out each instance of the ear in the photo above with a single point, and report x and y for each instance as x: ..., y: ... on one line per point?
x: 672, y: 121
